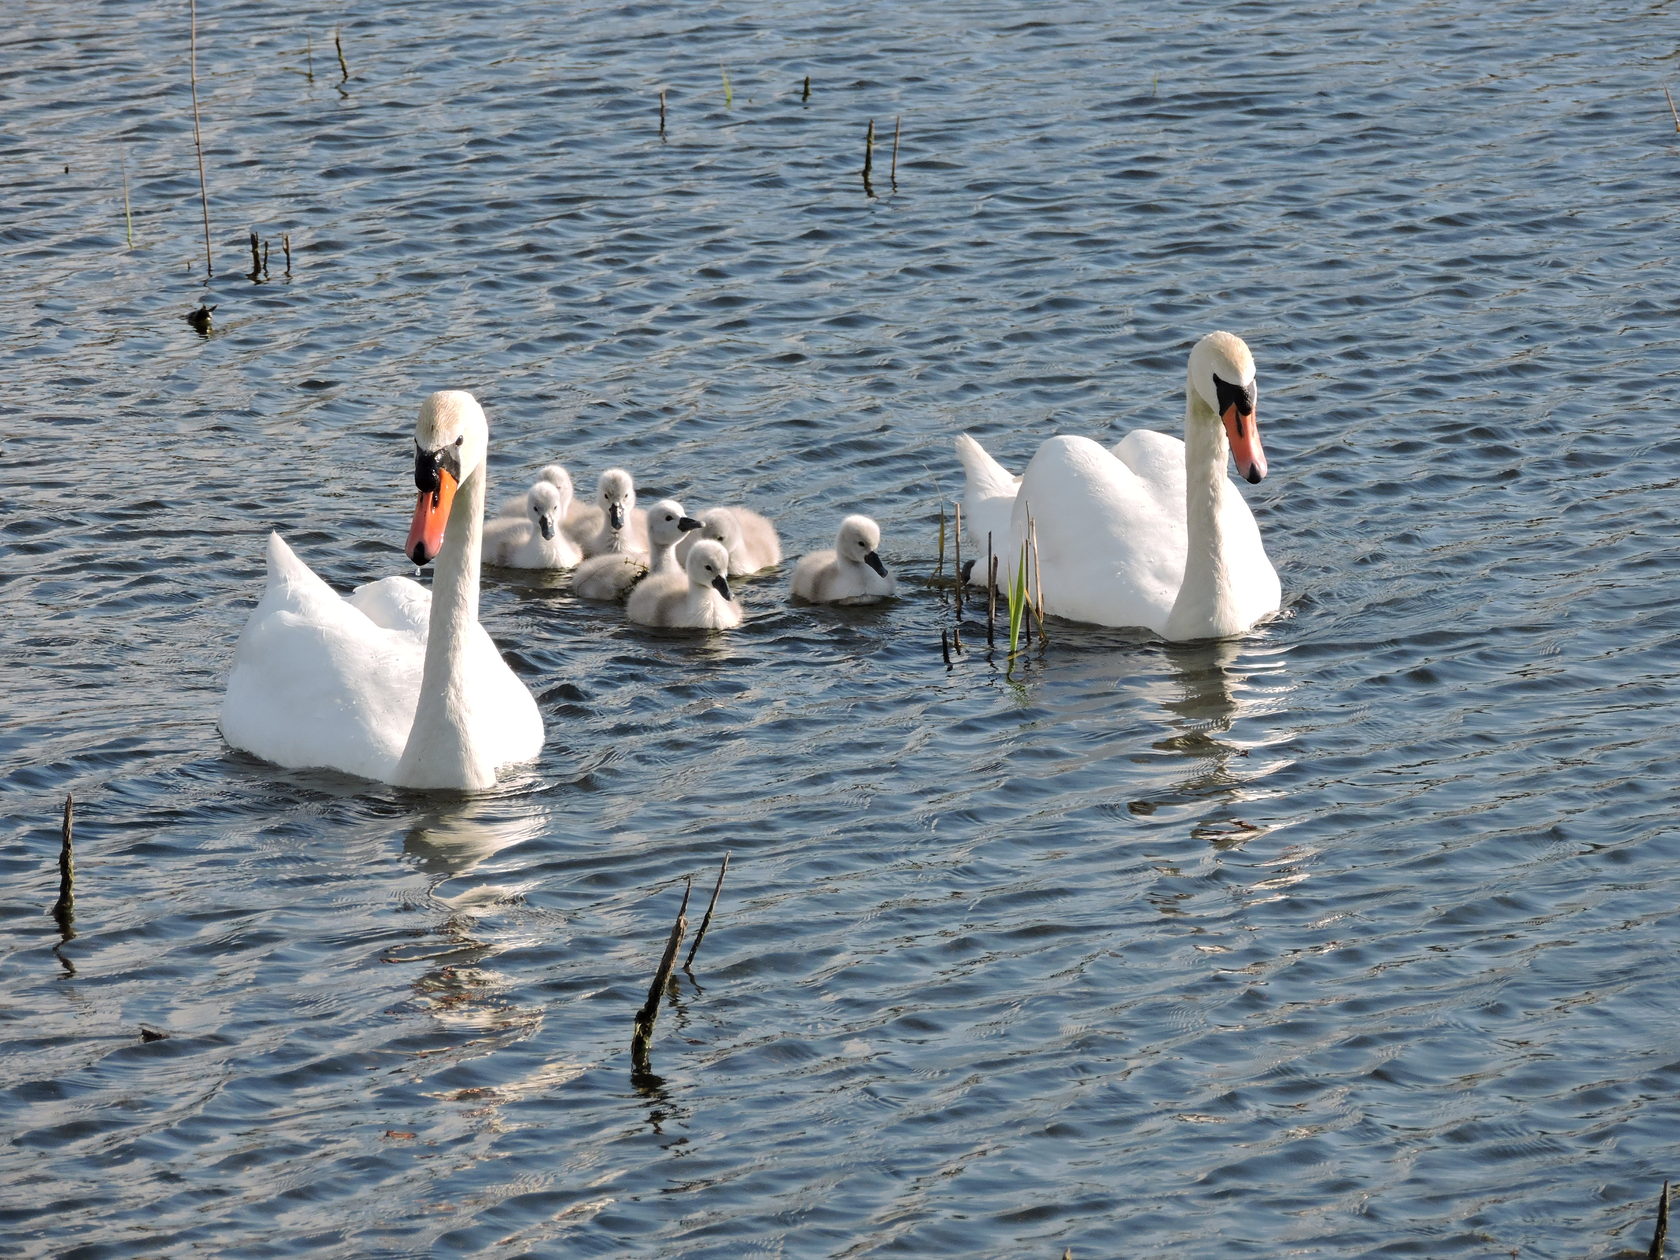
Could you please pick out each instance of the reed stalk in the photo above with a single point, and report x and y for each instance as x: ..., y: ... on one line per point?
x: 128, y: 214
x: 198, y: 136
x: 706, y: 920
x: 939, y: 569
x: 956, y: 538
x: 661, y: 113
x: 649, y: 1014
x: 869, y: 158
x: 343, y: 65
x: 805, y: 95
x: 64, y: 909
x: 1671, y: 109
x: 1017, y: 605
x: 728, y: 90
x: 897, y: 121
x: 1659, y: 1240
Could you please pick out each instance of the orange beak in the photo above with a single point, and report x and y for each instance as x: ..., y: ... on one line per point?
x: 431, y: 514
x: 1244, y: 435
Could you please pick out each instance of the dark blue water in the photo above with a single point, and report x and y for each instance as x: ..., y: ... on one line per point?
x: 1353, y: 938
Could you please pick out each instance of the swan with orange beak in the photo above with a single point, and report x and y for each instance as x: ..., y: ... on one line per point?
x: 395, y: 683
x: 1150, y: 532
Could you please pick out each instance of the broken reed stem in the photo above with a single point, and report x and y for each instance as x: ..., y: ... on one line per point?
x: 897, y: 120
x: 706, y: 920
x: 956, y: 535
x: 256, y: 258
x: 286, y: 245
x: 991, y: 600
x: 1671, y: 109
x: 991, y: 588
x: 1038, y: 578
x: 661, y: 113
x: 64, y: 909
x: 128, y: 214
x: 945, y: 645
x: 1660, y: 1239
x: 939, y: 569
x: 309, y: 56
x: 649, y: 1014
x: 198, y: 138
x: 805, y: 95
x: 728, y: 90
x: 343, y: 65
x: 869, y: 158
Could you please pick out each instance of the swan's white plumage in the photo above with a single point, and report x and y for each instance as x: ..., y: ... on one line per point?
x: 384, y: 685
x: 1127, y: 536
x: 847, y: 573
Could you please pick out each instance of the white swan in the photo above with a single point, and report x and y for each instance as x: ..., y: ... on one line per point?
x: 395, y: 683
x: 614, y: 574
x: 702, y: 601
x: 614, y: 523
x: 537, y: 539
x: 852, y: 573
x: 1151, y: 533
x: 749, y: 538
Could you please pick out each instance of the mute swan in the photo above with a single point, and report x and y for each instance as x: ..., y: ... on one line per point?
x: 535, y: 540
x: 1151, y: 533
x: 395, y: 683
x: 614, y: 523
x: 613, y: 575
x: 701, y: 602
x: 750, y: 539
x: 851, y: 573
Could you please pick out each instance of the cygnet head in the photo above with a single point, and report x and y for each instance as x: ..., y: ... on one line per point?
x: 559, y: 478
x: 450, y: 441
x: 1222, y: 376
x: 859, y: 537
x: 719, y: 525
x: 708, y: 565
x: 615, y: 494
x: 546, y: 506
x: 667, y: 523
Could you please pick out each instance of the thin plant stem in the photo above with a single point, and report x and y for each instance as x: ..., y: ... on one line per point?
x: 198, y: 138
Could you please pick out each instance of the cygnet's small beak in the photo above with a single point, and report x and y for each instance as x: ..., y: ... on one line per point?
x: 874, y: 562
x: 720, y: 584
x: 687, y: 523
x: 1243, y: 432
x: 545, y: 522
x: 615, y: 515
x: 431, y: 512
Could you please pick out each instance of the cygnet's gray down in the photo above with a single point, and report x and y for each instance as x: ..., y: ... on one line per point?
x: 749, y: 537
x: 615, y: 574
x: 537, y: 538
x: 614, y: 523
x: 852, y: 573
x: 701, y: 601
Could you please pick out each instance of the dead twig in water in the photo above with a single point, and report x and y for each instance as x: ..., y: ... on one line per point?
x: 649, y: 1014
x: 1671, y: 109
x: 706, y: 919
x: 869, y: 158
x: 198, y: 138
x: 661, y: 113
x: 1660, y: 1239
x: 286, y: 245
x: 64, y: 909
x: 343, y: 65
x: 806, y: 94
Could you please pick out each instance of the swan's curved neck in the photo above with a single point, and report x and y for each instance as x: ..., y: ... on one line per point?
x: 440, y: 753
x: 1204, y: 608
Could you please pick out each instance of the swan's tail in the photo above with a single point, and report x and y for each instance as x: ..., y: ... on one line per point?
x: 988, y: 504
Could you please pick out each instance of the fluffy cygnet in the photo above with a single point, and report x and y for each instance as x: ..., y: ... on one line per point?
x: 850, y: 574
x: 750, y: 539
x: 615, y: 523
x: 537, y: 538
x: 667, y: 524
x: 701, y: 602
x: 613, y: 575
x: 561, y: 480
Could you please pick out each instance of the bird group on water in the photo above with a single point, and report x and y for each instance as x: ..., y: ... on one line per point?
x: 402, y: 685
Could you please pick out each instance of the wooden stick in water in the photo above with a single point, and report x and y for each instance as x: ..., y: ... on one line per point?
x: 64, y: 909
x: 649, y: 1014
x: 706, y: 920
